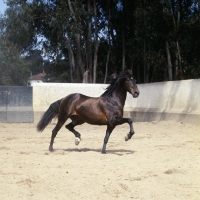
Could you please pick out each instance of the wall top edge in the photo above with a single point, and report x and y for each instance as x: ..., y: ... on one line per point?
x: 101, y: 84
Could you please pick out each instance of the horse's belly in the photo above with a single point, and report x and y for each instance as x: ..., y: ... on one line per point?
x: 93, y: 118
x: 97, y: 122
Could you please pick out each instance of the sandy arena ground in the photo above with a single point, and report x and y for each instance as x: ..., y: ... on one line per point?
x: 160, y: 162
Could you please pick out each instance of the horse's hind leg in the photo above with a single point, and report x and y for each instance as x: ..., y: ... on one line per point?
x: 75, y: 121
x: 70, y: 127
x: 55, y: 131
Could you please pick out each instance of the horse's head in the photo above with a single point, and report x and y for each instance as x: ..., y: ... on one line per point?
x: 131, y: 86
x: 124, y: 81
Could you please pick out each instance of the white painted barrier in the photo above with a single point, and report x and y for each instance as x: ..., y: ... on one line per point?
x: 173, y: 100
x: 171, y: 96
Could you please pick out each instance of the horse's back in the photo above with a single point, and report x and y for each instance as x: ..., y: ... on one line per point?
x: 73, y: 99
x: 76, y: 98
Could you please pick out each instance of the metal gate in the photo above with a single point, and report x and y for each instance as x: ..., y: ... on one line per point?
x: 16, y: 104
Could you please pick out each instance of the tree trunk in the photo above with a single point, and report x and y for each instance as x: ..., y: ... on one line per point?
x: 199, y: 10
x: 144, y: 60
x: 169, y: 63
x: 109, y: 43
x: 79, y: 68
x: 89, y: 55
x: 148, y: 65
x: 95, y: 63
x: 123, y: 51
x: 123, y: 39
x: 107, y: 61
x: 71, y: 60
x: 176, y: 28
x: 96, y: 45
x: 179, y: 59
x: 177, y: 43
x: 138, y: 73
x: 138, y: 67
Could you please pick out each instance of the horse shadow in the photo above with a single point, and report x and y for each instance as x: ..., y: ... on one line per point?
x: 113, y: 151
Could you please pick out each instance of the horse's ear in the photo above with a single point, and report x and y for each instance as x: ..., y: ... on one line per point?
x: 133, y: 76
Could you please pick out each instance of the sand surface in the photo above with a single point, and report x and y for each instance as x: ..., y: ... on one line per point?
x: 160, y: 162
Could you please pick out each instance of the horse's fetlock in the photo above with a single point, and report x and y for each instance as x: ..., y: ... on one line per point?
x: 77, y: 134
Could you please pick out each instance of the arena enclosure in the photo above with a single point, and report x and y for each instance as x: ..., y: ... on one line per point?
x: 162, y: 101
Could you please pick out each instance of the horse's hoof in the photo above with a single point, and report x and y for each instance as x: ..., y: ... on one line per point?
x: 51, y: 149
x: 127, y: 137
x: 103, y: 152
x: 77, y: 141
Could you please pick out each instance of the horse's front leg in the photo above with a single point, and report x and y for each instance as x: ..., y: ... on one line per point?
x: 108, y: 132
x: 131, y: 133
x: 119, y: 121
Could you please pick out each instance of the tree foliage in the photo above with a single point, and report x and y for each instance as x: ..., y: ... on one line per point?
x: 158, y: 40
x: 14, y: 70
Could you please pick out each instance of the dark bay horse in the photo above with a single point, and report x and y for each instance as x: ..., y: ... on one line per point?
x: 104, y: 110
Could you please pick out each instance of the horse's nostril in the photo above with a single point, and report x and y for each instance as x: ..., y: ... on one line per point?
x: 136, y: 93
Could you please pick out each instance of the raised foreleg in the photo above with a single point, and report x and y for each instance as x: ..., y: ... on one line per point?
x: 112, y: 124
x: 119, y: 121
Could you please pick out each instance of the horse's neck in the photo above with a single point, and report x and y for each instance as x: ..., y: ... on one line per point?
x: 120, y: 95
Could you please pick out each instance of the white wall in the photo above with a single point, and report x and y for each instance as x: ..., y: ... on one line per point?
x: 169, y: 97
x: 46, y: 93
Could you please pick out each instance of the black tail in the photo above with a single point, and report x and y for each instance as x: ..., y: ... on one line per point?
x: 51, y: 113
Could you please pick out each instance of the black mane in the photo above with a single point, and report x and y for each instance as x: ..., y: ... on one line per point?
x: 114, y: 83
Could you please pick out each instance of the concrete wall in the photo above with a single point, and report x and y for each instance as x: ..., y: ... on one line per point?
x: 174, y: 100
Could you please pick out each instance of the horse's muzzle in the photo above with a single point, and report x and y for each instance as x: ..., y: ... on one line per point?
x: 135, y: 94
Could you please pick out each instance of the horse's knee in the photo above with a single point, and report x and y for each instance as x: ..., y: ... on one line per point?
x: 130, y: 121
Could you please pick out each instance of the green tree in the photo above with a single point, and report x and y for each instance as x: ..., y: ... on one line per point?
x: 14, y: 70
x: 158, y: 40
